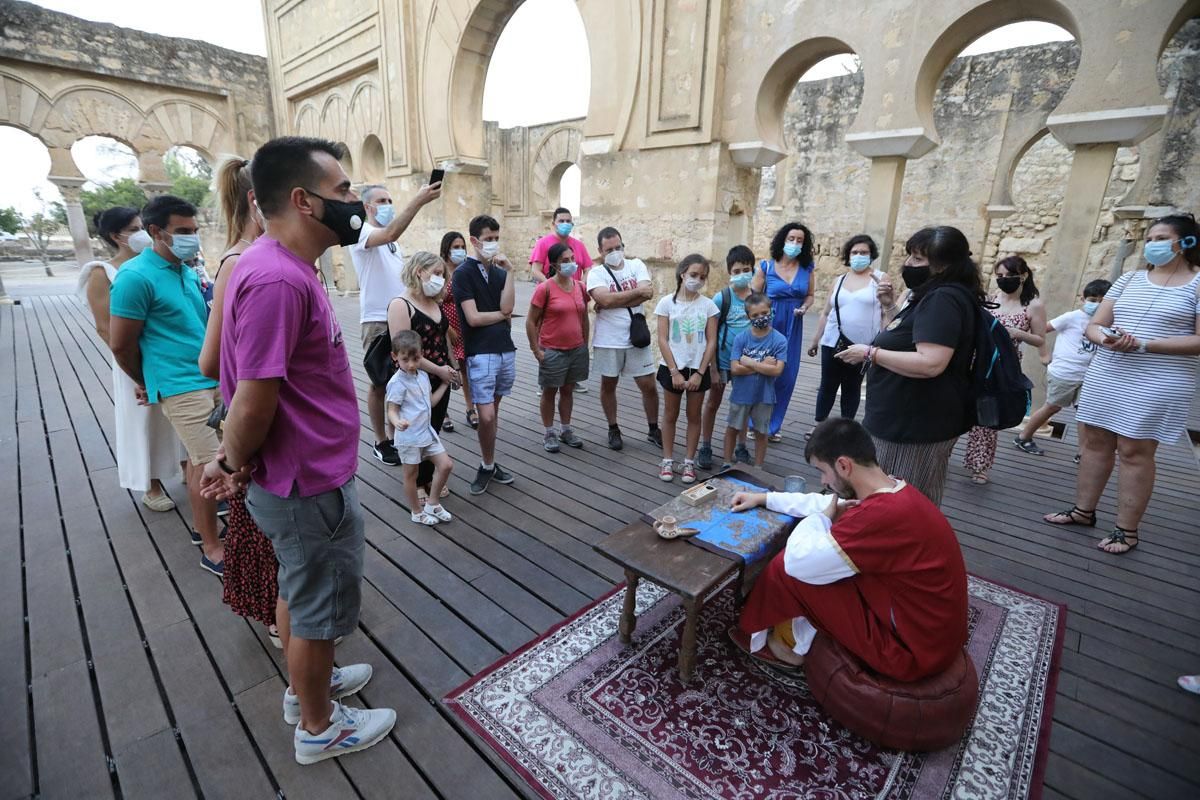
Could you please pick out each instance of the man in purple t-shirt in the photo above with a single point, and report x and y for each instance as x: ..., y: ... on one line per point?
x: 291, y: 434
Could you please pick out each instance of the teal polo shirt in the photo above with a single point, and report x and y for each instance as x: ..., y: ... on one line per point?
x: 166, y: 298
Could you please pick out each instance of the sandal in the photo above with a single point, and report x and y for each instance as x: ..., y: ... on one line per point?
x: 1074, y: 516
x: 979, y: 478
x: 775, y: 438
x: 1119, y: 536
x: 447, y: 426
x: 473, y: 418
x: 763, y: 655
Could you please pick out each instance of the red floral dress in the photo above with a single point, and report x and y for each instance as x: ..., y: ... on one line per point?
x: 981, y: 442
x: 450, y: 314
x: 251, y: 582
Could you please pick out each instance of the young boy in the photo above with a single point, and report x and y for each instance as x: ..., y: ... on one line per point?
x: 409, y: 404
x: 1072, y: 354
x: 755, y: 362
x: 731, y: 321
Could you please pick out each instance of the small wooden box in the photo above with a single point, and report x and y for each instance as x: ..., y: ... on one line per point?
x: 700, y: 495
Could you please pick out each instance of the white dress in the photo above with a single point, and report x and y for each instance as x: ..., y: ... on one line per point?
x: 147, y: 446
x: 1144, y: 395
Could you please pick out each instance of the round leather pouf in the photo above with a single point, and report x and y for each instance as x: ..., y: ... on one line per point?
x: 928, y: 714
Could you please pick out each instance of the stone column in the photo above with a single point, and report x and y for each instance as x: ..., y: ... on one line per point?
x: 76, y: 222
x: 154, y: 189
x: 889, y: 152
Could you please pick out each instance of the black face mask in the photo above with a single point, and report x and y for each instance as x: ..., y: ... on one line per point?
x: 1009, y: 284
x: 914, y: 276
x: 344, y: 219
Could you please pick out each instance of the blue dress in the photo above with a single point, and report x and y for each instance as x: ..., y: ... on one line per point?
x: 785, y: 299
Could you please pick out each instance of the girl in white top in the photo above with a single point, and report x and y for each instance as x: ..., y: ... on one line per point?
x: 687, y: 339
x: 853, y: 310
x: 147, y: 448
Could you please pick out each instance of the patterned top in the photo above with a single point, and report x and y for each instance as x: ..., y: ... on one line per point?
x: 1018, y: 320
x: 433, y: 334
x: 1144, y: 395
x: 450, y: 314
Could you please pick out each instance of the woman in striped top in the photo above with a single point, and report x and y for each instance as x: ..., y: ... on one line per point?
x: 1139, y: 385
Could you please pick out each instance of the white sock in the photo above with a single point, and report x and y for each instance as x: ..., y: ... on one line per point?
x: 566, y: 429
x: 488, y: 467
x: 550, y: 429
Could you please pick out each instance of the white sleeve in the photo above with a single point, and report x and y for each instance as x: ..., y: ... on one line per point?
x: 597, y: 279
x: 363, y: 234
x: 663, y: 308
x: 798, y: 504
x: 812, y: 555
x: 643, y: 274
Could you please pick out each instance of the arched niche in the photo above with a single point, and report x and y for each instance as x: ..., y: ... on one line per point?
x: 372, y: 160
x: 556, y: 152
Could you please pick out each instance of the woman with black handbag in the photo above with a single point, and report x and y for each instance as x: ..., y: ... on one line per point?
x: 852, y: 315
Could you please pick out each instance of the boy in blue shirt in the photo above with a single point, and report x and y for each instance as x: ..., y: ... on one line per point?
x: 732, y: 321
x: 755, y: 362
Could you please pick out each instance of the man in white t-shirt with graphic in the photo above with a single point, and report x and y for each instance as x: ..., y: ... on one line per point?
x: 379, y: 265
x: 618, y: 286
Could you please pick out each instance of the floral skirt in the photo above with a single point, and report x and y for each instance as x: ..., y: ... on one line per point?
x: 251, y: 571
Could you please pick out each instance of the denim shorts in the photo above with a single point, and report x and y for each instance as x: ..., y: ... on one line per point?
x: 491, y: 375
x: 319, y: 544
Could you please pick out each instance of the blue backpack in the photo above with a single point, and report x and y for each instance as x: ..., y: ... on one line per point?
x: 1001, y: 394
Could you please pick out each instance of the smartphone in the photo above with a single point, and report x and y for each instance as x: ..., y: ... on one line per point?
x: 1112, y: 333
x: 437, y: 176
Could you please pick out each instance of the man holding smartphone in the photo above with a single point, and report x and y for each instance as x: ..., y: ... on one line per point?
x: 379, y: 265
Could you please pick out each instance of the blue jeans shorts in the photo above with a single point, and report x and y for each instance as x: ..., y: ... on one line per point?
x: 319, y: 544
x: 491, y: 375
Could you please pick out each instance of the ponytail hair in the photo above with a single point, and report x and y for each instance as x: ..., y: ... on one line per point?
x: 1015, y: 265
x: 688, y: 261
x: 111, y: 221
x: 233, y: 188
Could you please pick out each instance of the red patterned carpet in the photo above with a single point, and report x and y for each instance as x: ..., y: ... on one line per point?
x: 579, y: 715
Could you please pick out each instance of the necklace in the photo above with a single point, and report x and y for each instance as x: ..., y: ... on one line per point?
x: 247, y: 241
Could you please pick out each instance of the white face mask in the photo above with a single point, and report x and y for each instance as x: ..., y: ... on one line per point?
x: 433, y: 286
x: 693, y: 284
x: 615, y: 258
x: 139, y: 241
x: 489, y: 250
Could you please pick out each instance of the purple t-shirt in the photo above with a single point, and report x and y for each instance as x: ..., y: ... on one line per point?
x: 278, y: 323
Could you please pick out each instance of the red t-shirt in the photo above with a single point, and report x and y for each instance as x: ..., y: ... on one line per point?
x: 562, y: 315
x: 541, y: 253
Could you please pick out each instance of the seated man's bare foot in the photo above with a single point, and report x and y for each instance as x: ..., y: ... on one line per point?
x: 782, y: 652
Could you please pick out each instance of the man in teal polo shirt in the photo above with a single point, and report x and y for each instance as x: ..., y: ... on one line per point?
x: 156, y: 331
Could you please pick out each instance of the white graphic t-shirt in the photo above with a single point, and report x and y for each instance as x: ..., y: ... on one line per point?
x: 612, y: 324
x: 1072, y: 350
x: 686, y: 328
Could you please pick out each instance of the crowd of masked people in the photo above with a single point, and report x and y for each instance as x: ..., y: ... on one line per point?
x: 252, y: 389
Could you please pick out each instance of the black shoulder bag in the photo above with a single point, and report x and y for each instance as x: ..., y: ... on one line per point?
x: 639, y: 331
x: 842, y: 342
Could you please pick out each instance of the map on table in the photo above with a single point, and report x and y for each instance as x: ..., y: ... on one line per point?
x: 749, y: 535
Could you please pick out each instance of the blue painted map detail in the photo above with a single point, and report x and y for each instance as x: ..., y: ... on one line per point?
x: 749, y: 535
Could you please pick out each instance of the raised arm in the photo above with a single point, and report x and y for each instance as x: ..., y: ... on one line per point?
x: 399, y: 224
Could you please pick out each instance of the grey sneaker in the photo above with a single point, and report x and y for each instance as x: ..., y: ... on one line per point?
x: 581, y: 389
x: 483, y: 478
x: 614, y: 438
x: 570, y: 439
x: 704, y: 457
x: 501, y: 475
x: 550, y: 442
x: 1028, y: 446
x: 740, y: 453
x: 654, y: 436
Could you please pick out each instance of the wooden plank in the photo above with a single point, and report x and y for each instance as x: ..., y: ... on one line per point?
x: 71, y: 762
x: 153, y: 768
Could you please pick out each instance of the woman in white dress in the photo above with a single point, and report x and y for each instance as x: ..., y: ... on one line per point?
x: 1140, y: 383
x: 147, y: 449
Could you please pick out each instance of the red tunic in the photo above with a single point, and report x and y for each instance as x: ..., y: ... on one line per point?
x: 903, y: 607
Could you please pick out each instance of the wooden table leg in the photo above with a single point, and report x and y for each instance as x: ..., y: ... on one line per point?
x: 628, y: 614
x: 687, y: 646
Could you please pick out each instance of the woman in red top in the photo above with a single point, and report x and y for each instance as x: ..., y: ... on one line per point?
x: 557, y: 327
x: 454, y: 252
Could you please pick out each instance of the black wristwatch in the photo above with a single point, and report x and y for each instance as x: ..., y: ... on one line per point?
x: 228, y: 470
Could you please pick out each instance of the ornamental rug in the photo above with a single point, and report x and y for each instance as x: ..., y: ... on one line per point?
x: 579, y: 715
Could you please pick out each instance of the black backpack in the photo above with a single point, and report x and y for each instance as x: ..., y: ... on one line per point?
x: 1001, y: 394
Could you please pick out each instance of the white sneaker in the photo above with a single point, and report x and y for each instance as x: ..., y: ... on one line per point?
x: 439, y: 512
x: 350, y: 730
x: 343, y: 682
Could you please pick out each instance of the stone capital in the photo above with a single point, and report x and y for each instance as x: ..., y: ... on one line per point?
x: 755, y: 154
x: 465, y: 165
x: 155, y: 188
x: 1125, y: 126
x: 596, y: 145
x: 1000, y: 212
x: 70, y: 188
x: 897, y: 143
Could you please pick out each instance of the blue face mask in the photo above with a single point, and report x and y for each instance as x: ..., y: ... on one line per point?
x: 761, y: 322
x: 568, y: 270
x: 792, y: 249
x: 859, y: 262
x: 185, y: 246
x: 384, y: 214
x: 457, y: 256
x: 564, y: 228
x: 1158, y: 253
x: 741, y: 280
x: 1090, y: 306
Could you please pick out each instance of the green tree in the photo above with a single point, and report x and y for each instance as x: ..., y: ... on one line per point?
x: 122, y: 192
x: 10, y: 220
x: 189, y: 178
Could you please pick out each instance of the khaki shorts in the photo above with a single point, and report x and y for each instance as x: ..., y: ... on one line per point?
x: 188, y: 414
x: 370, y: 330
x: 628, y: 362
x: 1061, y: 393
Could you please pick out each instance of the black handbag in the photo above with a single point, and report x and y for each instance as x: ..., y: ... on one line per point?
x: 216, y: 418
x: 842, y: 342
x: 639, y: 330
x: 378, y: 360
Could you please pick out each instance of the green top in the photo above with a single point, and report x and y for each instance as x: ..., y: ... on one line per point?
x: 167, y: 298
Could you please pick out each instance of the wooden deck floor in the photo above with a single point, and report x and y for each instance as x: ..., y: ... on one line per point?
x: 121, y: 672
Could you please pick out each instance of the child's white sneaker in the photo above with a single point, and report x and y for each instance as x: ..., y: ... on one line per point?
x: 439, y: 512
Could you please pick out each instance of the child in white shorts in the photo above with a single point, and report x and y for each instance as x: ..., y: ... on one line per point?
x: 409, y: 405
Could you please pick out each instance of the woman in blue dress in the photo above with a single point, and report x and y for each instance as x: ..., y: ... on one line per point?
x: 786, y: 278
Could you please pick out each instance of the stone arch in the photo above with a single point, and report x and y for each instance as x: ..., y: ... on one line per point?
x: 365, y: 121
x: 779, y: 81
x: 92, y: 110
x: 1006, y: 167
x: 334, y: 123
x: 558, y: 150
x: 308, y: 121
x: 23, y: 106
x: 970, y: 26
x: 181, y: 122
x: 373, y: 162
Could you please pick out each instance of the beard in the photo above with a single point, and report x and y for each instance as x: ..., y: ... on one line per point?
x: 843, y: 489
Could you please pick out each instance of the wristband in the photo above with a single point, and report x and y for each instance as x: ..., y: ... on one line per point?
x: 228, y: 470
x: 1141, y: 348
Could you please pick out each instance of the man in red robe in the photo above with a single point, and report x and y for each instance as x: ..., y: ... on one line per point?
x: 876, y: 567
